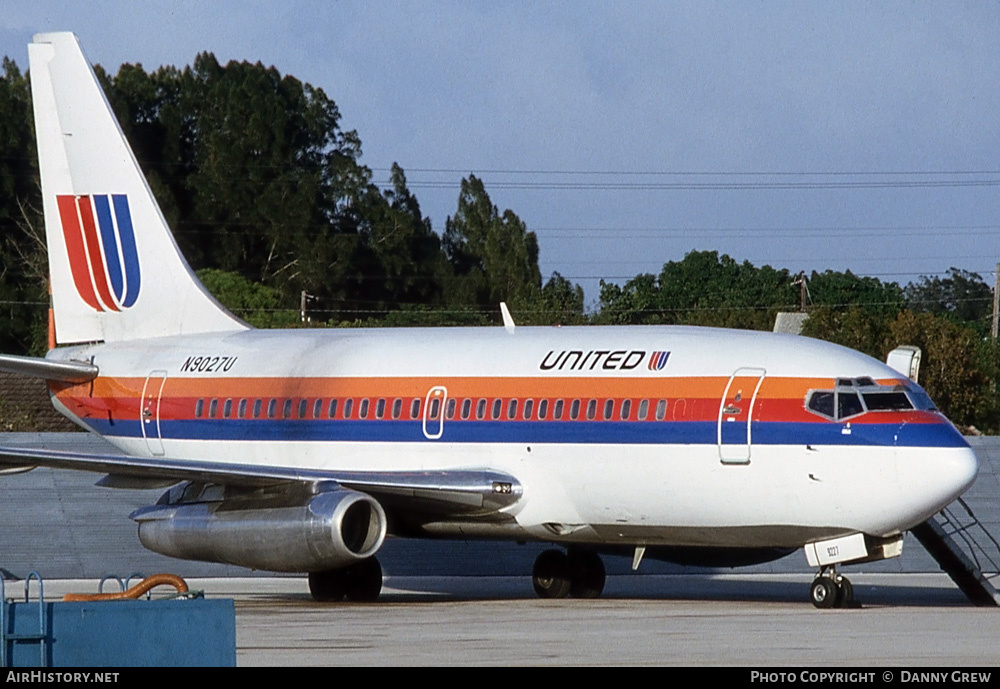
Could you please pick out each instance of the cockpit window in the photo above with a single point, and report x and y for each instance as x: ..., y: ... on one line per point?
x: 848, y: 404
x: 887, y: 401
x: 920, y: 398
x: 853, y: 396
x: 821, y: 402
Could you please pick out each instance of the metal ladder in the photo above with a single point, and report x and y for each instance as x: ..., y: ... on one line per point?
x: 41, y: 636
x: 966, y: 551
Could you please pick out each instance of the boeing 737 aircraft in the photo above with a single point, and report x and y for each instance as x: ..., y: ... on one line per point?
x: 298, y: 451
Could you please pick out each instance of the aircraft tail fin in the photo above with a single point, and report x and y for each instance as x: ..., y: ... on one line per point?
x: 115, y: 270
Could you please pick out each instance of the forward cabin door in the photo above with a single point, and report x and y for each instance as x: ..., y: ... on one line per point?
x: 149, y: 415
x: 736, y: 415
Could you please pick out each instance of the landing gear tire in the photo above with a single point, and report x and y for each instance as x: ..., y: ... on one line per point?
x: 365, y: 581
x: 327, y: 587
x: 845, y: 593
x: 587, y: 576
x: 551, y: 575
x: 823, y: 593
x: 358, y: 583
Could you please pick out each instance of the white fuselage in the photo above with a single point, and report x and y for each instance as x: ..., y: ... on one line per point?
x: 725, y: 454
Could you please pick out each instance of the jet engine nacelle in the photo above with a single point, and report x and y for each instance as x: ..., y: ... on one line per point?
x: 328, y: 530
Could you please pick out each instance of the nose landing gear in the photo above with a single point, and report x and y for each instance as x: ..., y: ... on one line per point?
x: 831, y: 590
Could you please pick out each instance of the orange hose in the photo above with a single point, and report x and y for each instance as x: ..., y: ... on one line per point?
x: 134, y: 592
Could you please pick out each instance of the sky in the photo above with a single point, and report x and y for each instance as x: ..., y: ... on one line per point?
x: 809, y: 136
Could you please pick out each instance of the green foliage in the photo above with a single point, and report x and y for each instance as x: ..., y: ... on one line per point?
x: 846, y: 290
x: 493, y: 256
x: 559, y: 302
x: 962, y: 296
x: 703, y: 289
x: 23, y: 286
x: 856, y: 327
x: 256, y: 304
x: 958, y: 369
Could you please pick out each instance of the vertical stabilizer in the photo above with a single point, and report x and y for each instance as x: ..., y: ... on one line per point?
x: 115, y: 270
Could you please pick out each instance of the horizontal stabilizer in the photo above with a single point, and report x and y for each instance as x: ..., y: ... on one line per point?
x: 36, y: 367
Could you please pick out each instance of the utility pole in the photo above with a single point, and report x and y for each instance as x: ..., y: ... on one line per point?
x: 996, y: 302
x: 804, y: 291
x: 302, y: 306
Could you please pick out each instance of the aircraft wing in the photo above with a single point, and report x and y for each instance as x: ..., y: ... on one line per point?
x: 464, y: 492
x: 37, y: 367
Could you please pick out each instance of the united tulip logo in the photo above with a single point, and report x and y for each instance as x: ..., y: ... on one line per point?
x: 100, y: 243
x: 657, y: 360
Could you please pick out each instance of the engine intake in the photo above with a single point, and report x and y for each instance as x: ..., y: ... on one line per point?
x: 311, y: 533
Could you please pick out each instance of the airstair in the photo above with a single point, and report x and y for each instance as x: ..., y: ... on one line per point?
x: 966, y: 551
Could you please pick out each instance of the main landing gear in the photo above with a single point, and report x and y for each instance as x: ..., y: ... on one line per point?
x: 831, y: 590
x: 358, y: 583
x: 579, y: 573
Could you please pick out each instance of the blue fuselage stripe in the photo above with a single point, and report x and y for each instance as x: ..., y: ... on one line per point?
x: 596, y: 432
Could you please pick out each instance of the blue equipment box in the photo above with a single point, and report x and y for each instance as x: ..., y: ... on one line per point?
x: 126, y: 633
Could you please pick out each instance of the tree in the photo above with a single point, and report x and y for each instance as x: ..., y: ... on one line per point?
x: 845, y: 290
x: 494, y: 257
x: 958, y: 369
x: 254, y: 303
x: 962, y: 296
x: 24, y: 273
x: 702, y: 289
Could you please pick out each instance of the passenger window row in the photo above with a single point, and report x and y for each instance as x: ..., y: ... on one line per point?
x: 455, y: 408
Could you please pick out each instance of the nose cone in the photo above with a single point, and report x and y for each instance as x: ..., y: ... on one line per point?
x: 961, y: 466
x: 935, y: 477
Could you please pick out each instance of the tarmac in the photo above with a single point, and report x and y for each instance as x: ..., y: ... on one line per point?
x: 757, y: 621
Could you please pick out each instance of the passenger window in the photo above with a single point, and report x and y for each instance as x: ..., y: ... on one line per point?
x: 495, y: 412
x: 415, y: 408
x: 543, y: 408
x: 397, y: 408
x: 643, y: 409
x: 449, y: 411
x: 512, y: 409
x: 528, y: 404
x: 199, y: 408
x: 241, y: 410
x: 626, y: 409
x: 557, y: 411
x: 227, y: 408
x: 481, y: 408
x: 256, y: 409
x: 272, y: 407
x: 212, y: 408
x: 380, y: 408
x: 317, y: 408
x: 591, y: 410
x: 348, y: 407
x: 609, y: 406
x: 286, y: 409
x: 466, y: 408
x: 303, y: 405
x: 661, y: 410
x: 331, y: 411
x: 363, y: 409
x: 574, y: 410
x: 434, y: 409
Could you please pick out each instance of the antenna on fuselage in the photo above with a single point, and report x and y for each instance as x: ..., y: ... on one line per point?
x: 508, y: 322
